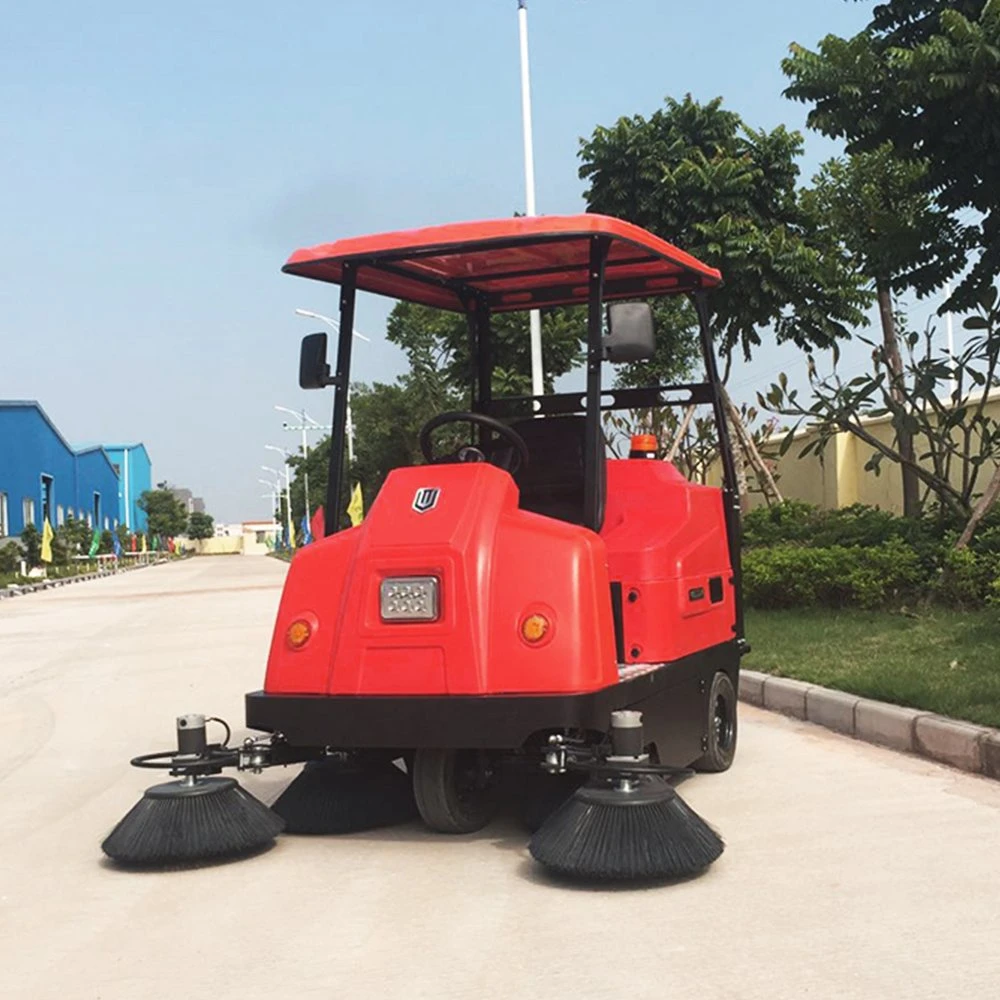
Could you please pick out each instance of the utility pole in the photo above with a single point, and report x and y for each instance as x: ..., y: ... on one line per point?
x: 535, y: 319
x: 306, y: 424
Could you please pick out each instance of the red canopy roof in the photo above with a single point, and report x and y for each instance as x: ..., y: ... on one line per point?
x: 518, y: 263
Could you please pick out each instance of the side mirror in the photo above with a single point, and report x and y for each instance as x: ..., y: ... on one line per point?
x: 631, y: 337
x: 314, y: 372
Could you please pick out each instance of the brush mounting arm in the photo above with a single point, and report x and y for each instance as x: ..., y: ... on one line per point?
x: 211, y: 760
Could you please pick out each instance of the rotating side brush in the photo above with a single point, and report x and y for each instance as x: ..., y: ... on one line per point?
x: 626, y: 822
x: 197, y: 817
x: 332, y: 796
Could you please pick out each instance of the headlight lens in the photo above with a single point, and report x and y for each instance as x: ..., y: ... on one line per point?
x: 409, y: 599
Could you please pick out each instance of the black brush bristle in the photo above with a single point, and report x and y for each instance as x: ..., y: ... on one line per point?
x: 328, y: 797
x: 180, y: 823
x: 646, y: 832
x: 540, y: 794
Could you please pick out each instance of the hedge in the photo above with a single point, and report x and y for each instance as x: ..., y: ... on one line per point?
x: 797, y: 555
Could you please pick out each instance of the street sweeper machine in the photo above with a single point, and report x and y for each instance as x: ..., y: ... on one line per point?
x: 522, y: 618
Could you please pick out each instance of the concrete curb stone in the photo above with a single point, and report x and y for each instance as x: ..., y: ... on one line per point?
x: 752, y: 687
x: 887, y: 725
x: 832, y: 709
x: 949, y: 741
x: 990, y: 748
x: 18, y: 590
x: 781, y: 694
x: 959, y: 744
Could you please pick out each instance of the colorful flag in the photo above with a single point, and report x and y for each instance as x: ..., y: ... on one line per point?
x: 47, y: 536
x: 117, y: 543
x: 133, y: 543
x: 156, y: 543
x: 95, y: 544
x: 143, y: 546
x: 356, y: 508
x: 317, y: 529
x: 306, y: 533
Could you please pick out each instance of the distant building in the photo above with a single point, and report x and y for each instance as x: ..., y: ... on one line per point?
x: 191, y: 503
x: 43, y: 477
x: 135, y: 476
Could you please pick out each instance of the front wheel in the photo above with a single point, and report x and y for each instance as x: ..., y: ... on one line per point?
x: 722, y: 729
x: 456, y: 790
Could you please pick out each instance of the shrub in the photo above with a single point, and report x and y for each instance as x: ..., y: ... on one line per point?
x: 966, y: 579
x: 31, y: 539
x: 789, y: 521
x: 10, y: 558
x: 786, y: 576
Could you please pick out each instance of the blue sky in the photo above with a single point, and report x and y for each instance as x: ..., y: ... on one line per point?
x: 158, y: 163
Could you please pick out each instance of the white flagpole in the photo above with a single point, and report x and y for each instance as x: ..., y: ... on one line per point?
x: 537, y: 377
x: 950, y: 329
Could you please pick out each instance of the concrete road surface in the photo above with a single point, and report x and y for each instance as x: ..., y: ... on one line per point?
x: 850, y: 871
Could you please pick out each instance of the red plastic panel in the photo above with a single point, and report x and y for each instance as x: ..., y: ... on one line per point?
x: 495, y: 565
x: 666, y: 540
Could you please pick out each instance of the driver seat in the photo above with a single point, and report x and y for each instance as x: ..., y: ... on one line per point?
x: 552, y: 481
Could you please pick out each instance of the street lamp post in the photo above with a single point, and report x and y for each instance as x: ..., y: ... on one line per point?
x: 537, y: 379
x: 335, y: 326
x: 288, y: 490
x: 274, y: 493
x: 307, y: 424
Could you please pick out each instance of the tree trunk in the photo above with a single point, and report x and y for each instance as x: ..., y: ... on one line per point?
x: 911, y: 484
x: 982, y: 506
x: 747, y: 451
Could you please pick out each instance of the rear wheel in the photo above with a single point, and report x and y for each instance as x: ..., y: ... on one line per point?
x: 722, y: 728
x: 456, y: 790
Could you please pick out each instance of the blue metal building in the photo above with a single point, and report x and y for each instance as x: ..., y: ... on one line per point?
x: 42, y: 476
x: 135, y: 476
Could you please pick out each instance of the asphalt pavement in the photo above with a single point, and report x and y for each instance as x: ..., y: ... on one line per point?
x: 850, y: 871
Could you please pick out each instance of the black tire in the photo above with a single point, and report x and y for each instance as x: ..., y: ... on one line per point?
x: 456, y: 790
x: 721, y: 708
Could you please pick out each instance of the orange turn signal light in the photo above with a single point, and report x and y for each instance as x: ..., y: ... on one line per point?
x: 298, y: 633
x: 534, y: 628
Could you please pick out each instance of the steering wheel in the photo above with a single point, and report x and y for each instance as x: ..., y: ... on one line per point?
x: 470, y: 453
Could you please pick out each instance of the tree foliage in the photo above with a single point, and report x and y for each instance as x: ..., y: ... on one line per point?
x: 439, y: 339
x: 956, y: 437
x: 200, y: 525
x: 877, y: 207
x: 924, y: 76
x: 164, y: 512
x: 697, y: 175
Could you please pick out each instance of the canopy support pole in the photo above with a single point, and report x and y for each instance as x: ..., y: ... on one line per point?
x: 342, y: 384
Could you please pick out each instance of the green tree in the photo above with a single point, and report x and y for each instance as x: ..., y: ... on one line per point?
x: 31, y: 541
x: 697, y: 175
x: 436, y: 340
x: 877, y: 207
x: 955, y: 441
x: 164, y: 512
x: 387, y: 420
x: 923, y: 76
x: 72, y: 538
x: 200, y: 525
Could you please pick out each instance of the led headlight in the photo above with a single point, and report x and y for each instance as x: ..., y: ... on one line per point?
x: 409, y: 599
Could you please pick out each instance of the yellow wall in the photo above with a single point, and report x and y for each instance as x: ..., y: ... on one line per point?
x: 225, y: 546
x: 839, y: 478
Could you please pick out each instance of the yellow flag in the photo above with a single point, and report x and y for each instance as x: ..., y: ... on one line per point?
x: 143, y: 542
x: 47, y: 541
x: 356, y: 508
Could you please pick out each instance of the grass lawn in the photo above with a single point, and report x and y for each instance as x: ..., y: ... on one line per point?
x: 942, y: 661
